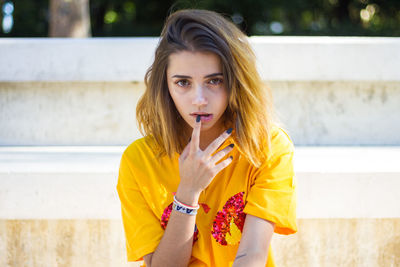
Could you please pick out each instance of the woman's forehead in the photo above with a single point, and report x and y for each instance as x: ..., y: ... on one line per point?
x: 194, y: 63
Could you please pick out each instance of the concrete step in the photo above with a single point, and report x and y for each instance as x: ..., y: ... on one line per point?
x: 103, y: 113
x: 84, y: 91
x: 79, y: 182
x: 281, y: 58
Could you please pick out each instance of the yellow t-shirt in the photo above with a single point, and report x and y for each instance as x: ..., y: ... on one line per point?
x: 146, y: 187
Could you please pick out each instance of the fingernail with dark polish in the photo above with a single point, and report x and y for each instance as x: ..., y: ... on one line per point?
x: 198, y: 118
x: 232, y: 145
x: 229, y: 130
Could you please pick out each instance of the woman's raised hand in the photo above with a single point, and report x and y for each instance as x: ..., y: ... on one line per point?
x: 197, y: 168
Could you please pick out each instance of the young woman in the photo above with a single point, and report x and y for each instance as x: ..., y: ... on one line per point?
x: 213, y: 177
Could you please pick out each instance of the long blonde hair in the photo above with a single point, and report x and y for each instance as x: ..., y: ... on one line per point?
x: 250, y: 108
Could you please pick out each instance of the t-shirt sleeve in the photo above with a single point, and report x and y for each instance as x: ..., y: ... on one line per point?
x: 143, y: 231
x: 272, y: 195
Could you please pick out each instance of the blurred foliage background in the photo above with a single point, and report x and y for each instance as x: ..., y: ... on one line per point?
x: 30, y: 18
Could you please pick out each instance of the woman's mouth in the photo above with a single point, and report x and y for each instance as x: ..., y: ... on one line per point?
x: 203, y: 117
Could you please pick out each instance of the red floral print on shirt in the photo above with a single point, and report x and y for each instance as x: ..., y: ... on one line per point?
x: 165, y: 219
x: 229, y: 222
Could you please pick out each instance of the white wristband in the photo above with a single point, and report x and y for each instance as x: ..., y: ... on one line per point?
x: 186, y: 206
x: 182, y: 209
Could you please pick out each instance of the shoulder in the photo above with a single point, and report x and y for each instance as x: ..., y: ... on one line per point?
x: 281, y: 143
x: 140, y: 149
x: 280, y: 136
x: 135, y: 159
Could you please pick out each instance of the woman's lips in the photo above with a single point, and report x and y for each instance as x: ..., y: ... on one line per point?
x: 204, y: 118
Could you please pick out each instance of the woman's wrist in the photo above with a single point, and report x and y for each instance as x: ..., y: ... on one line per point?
x: 187, y: 197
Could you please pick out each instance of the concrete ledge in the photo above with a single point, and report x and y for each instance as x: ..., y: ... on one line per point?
x: 79, y: 182
x: 126, y: 59
x: 101, y: 243
x: 103, y: 113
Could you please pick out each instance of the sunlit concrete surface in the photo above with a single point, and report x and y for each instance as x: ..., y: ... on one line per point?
x: 103, y: 113
x: 60, y: 159
x: 342, y: 159
x: 67, y: 112
x: 325, y: 58
x: 100, y: 243
x: 75, y: 59
x: 290, y: 58
x: 339, y: 113
x: 80, y: 182
x: 62, y: 243
x: 340, y: 242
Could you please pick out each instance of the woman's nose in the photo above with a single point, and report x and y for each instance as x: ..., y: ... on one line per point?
x: 199, y: 98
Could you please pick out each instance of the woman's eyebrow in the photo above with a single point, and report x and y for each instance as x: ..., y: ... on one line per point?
x: 212, y: 75
x: 188, y: 77
x: 181, y: 76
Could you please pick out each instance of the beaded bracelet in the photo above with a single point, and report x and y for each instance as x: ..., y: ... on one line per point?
x: 183, y: 208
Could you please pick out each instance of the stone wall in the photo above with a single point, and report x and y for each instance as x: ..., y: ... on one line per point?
x: 67, y: 112
x: 344, y: 113
x: 76, y: 243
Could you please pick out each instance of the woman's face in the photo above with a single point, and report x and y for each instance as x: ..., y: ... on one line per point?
x: 197, y: 86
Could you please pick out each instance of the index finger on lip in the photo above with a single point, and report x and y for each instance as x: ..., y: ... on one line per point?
x: 195, y: 142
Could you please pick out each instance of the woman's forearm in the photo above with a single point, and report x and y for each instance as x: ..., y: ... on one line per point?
x: 175, y: 247
x: 249, y: 260
x: 197, y: 168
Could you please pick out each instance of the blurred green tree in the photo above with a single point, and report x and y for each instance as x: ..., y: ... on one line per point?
x: 255, y: 17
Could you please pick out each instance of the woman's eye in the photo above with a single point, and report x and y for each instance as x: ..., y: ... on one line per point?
x: 216, y: 81
x: 182, y: 83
